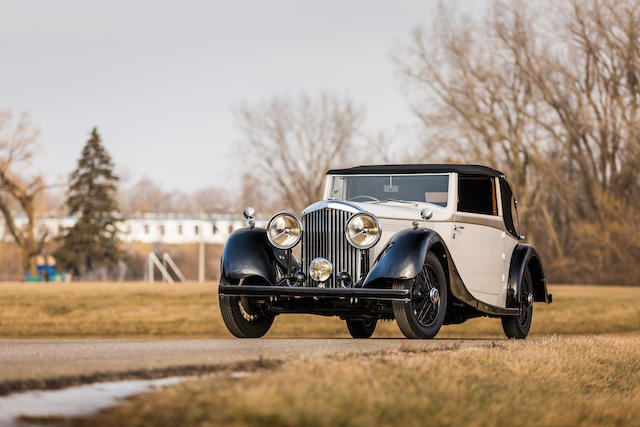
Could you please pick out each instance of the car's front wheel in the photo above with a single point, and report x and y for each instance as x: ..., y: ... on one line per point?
x: 517, y: 327
x: 422, y: 316
x: 243, y: 317
x: 361, y: 328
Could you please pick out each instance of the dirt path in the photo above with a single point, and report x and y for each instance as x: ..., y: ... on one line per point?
x: 38, y: 363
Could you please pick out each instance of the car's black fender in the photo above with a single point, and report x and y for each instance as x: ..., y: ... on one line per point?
x: 526, y: 257
x: 403, y: 258
x: 248, y: 254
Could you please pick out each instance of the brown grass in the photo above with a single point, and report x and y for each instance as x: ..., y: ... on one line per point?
x: 545, y: 381
x: 191, y: 310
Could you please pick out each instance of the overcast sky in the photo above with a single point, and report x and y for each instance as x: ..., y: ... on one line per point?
x: 160, y: 79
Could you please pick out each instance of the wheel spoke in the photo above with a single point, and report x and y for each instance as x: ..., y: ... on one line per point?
x: 419, y: 306
x: 424, y: 308
x: 425, y: 311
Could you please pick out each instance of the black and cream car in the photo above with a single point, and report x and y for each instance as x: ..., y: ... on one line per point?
x: 425, y: 245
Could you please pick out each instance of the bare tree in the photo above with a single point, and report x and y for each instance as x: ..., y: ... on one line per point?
x: 291, y: 143
x: 212, y: 199
x: 547, y: 93
x: 18, y: 192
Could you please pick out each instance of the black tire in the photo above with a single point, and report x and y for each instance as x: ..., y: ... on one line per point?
x: 243, y: 318
x: 422, y: 317
x: 517, y: 327
x: 361, y: 328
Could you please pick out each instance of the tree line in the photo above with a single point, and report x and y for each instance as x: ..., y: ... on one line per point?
x: 547, y: 93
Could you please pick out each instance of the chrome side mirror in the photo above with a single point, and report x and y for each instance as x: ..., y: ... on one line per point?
x: 426, y: 213
x: 250, y: 213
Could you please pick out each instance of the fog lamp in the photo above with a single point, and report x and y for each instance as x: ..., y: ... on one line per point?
x: 320, y: 269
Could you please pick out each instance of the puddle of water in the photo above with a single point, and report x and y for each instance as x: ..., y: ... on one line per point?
x: 240, y: 374
x: 74, y: 401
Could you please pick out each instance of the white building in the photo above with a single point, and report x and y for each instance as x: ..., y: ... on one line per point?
x: 153, y: 228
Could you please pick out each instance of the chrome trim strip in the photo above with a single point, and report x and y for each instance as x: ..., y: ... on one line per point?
x: 333, y: 204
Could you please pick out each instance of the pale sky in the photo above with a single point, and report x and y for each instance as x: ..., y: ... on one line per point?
x: 160, y: 79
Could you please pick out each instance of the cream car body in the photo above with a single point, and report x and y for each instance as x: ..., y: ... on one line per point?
x: 480, y: 245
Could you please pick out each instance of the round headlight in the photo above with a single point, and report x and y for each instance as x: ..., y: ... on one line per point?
x: 284, y: 230
x: 320, y: 269
x: 363, y: 230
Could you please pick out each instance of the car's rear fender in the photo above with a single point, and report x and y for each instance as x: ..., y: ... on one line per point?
x: 249, y: 255
x: 526, y: 257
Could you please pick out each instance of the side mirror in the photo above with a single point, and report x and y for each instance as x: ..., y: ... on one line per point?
x: 426, y: 213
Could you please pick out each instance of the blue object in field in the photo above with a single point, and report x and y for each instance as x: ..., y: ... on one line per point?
x: 40, y: 269
x: 51, y: 270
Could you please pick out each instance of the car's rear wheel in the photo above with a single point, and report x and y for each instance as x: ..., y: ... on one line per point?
x: 517, y: 327
x: 361, y: 328
x: 243, y: 317
x: 422, y: 316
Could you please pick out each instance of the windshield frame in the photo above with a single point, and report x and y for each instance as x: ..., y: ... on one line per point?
x: 450, y: 196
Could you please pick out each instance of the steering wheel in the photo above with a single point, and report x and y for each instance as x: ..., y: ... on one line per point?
x: 365, y: 197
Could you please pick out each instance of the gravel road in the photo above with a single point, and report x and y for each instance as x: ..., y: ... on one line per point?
x: 32, y: 359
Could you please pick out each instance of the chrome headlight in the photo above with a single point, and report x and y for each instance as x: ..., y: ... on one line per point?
x: 363, y: 230
x: 284, y: 230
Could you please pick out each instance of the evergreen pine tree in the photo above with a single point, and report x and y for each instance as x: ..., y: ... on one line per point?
x: 92, y: 242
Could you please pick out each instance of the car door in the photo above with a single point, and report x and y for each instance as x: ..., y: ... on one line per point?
x: 477, y: 239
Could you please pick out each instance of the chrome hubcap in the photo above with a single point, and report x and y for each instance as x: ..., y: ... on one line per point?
x: 434, y: 295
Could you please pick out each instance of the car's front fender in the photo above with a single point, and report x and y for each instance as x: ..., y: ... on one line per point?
x: 248, y: 253
x: 403, y: 256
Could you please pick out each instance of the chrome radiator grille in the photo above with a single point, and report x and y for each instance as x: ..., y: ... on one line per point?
x: 323, y: 236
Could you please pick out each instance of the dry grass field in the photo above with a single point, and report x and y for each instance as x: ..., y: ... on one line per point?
x: 580, y: 366
x: 191, y: 310
x: 553, y: 381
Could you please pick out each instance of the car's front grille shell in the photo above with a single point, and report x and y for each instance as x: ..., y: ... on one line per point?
x: 323, y: 236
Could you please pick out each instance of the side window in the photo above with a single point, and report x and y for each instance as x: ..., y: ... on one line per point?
x: 477, y: 194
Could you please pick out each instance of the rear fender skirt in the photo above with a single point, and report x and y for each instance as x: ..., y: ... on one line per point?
x: 523, y: 257
x: 403, y: 258
x: 248, y: 253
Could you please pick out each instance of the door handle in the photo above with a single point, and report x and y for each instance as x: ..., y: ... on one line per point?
x: 456, y: 228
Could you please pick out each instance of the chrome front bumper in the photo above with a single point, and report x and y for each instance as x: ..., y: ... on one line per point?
x: 309, y: 292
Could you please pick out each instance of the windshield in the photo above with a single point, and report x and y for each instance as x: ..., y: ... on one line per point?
x: 432, y: 188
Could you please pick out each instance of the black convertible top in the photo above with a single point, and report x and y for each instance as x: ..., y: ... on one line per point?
x: 417, y: 168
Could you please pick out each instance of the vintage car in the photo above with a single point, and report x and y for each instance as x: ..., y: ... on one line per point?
x: 425, y: 245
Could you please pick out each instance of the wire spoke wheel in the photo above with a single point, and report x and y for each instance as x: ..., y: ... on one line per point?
x: 427, y: 296
x: 518, y: 327
x: 423, y: 315
x: 244, y: 317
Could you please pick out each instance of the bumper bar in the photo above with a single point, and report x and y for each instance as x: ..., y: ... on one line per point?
x: 299, y: 292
